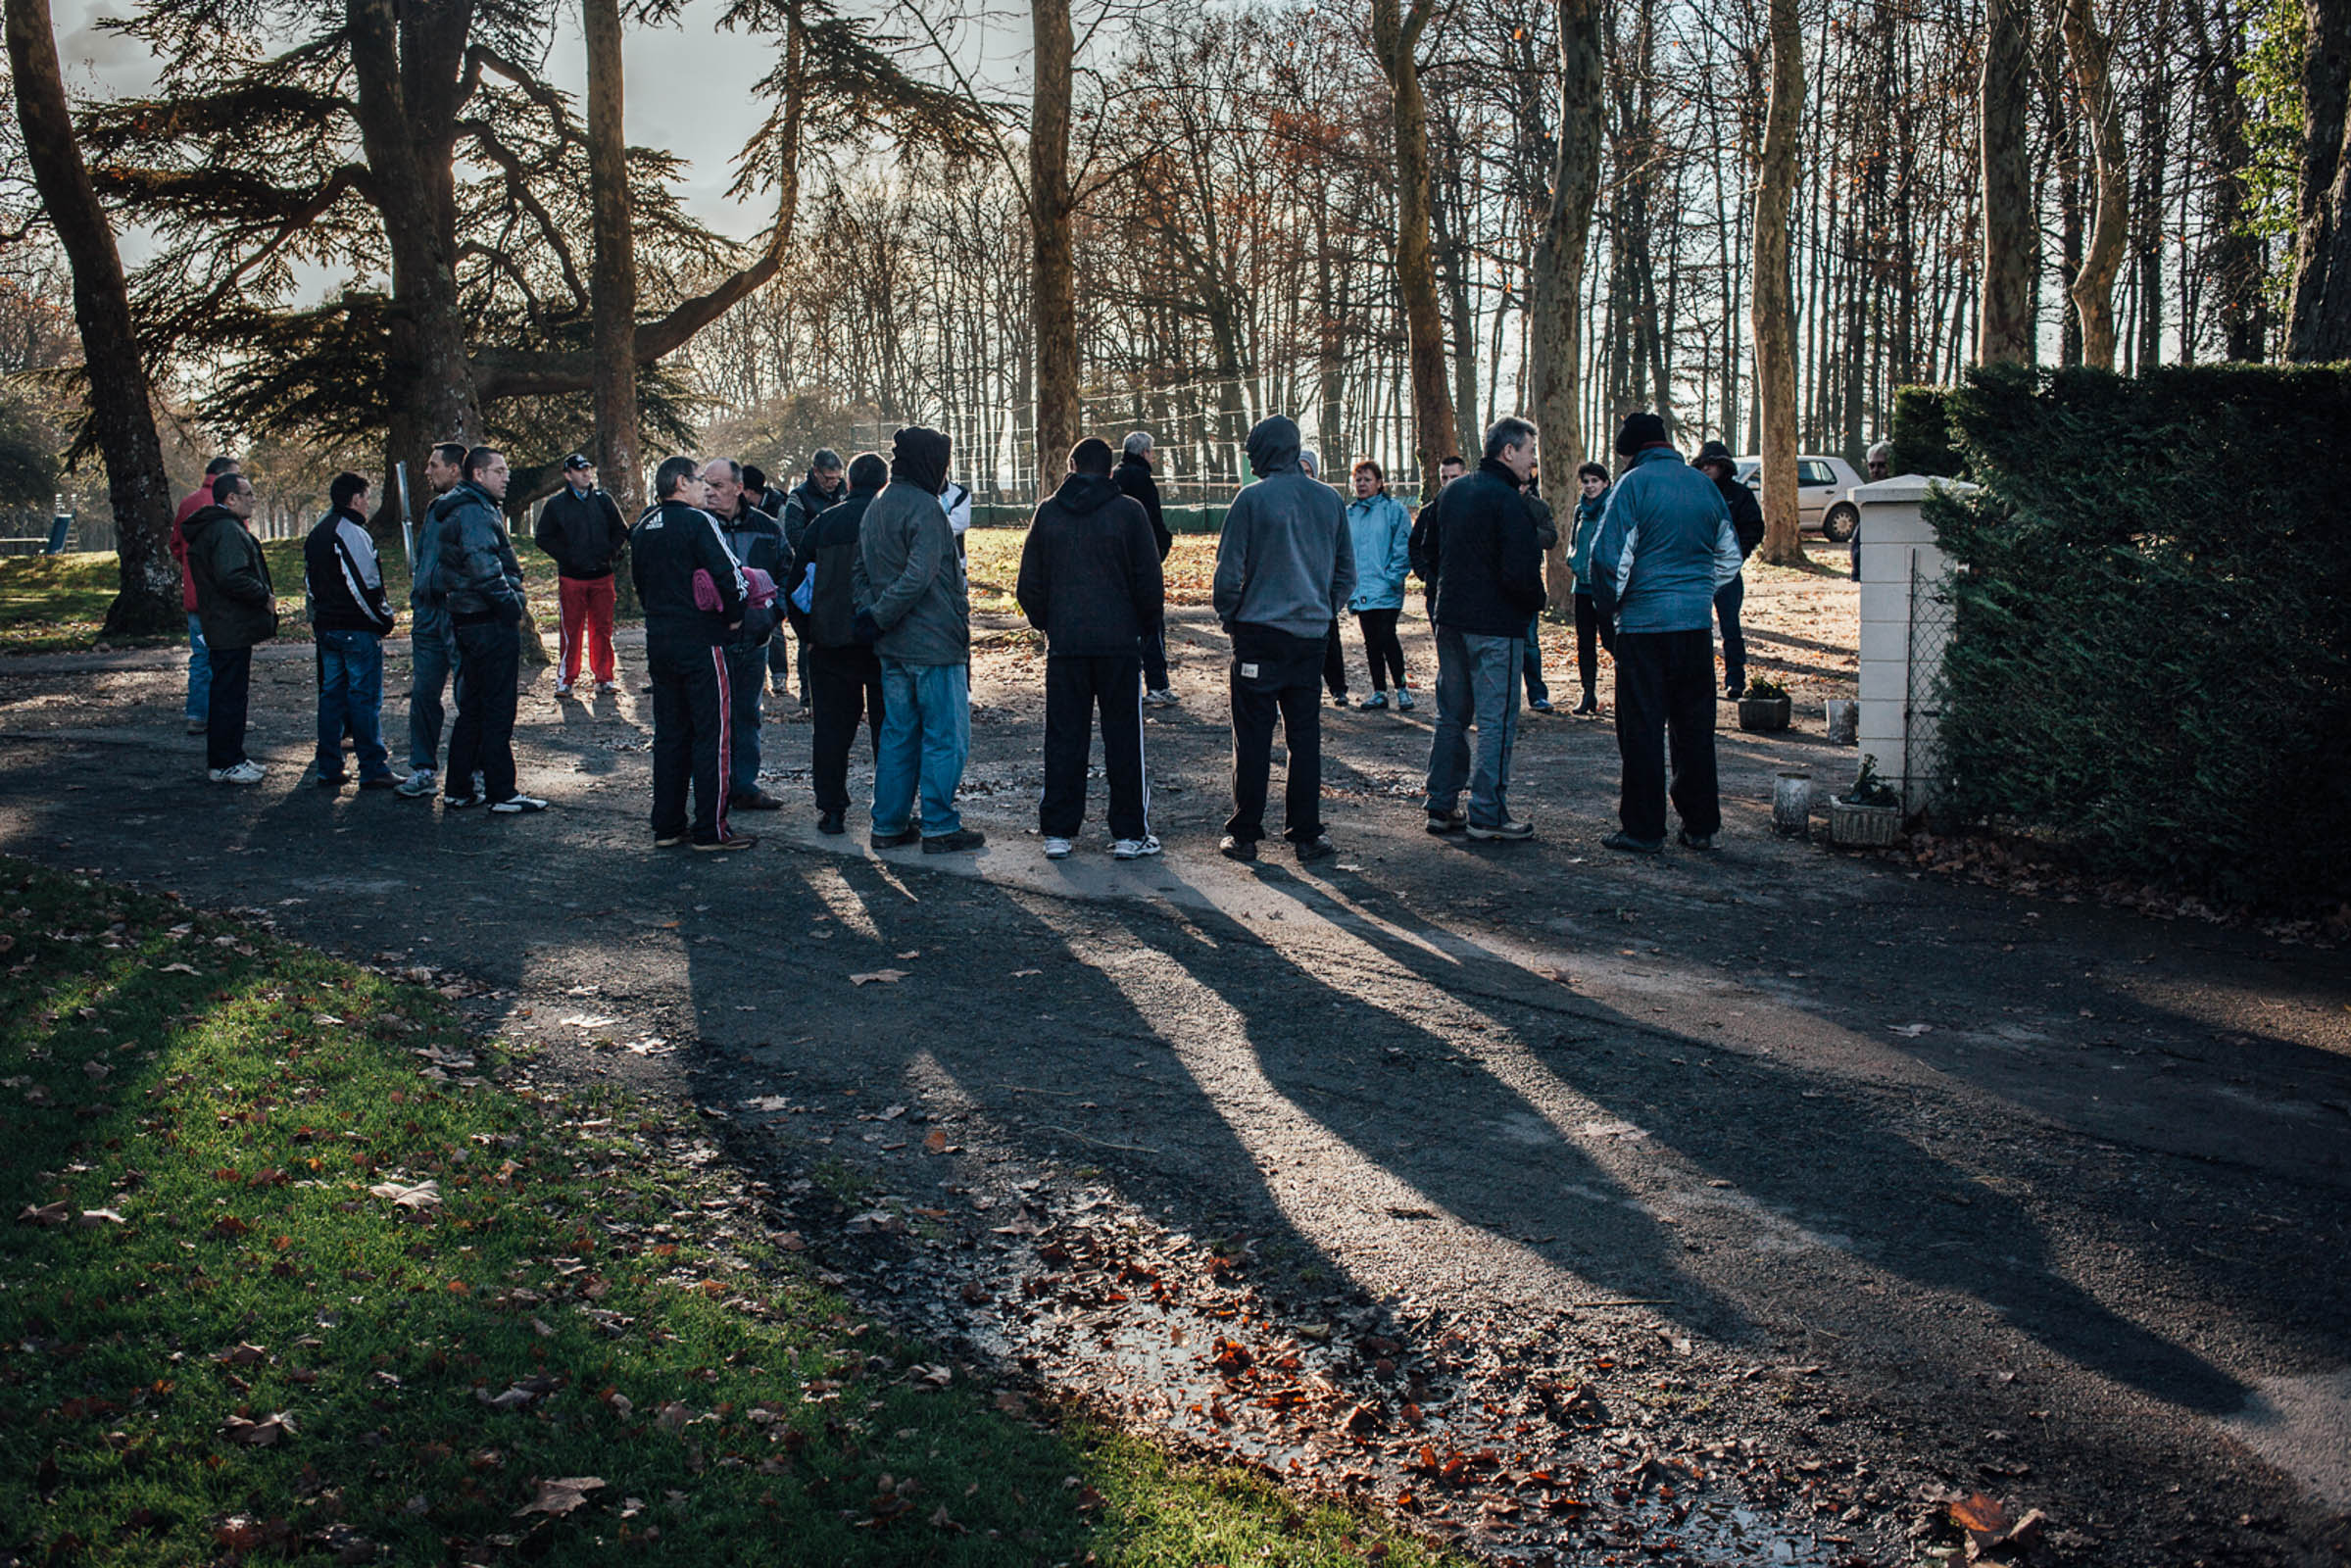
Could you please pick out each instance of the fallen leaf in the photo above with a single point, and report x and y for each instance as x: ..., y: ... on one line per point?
x: 560, y: 1497
x: 766, y: 1103
x: 935, y: 1140
x: 241, y: 1355
x: 420, y: 1199
x: 1023, y: 974
x: 59, y: 1213
x: 1980, y: 1516
x: 888, y: 977
x: 177, y: 968
x: 260, y: 1434
x: 92, y: 1218
x: 1911, y: 1031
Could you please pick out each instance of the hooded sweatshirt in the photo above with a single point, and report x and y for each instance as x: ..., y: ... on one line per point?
x: 1134, y: 476
x: 1282, y: 558
x: 909, y: 576
x: 1090, y: 570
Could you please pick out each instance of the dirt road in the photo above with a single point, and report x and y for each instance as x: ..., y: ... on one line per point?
x: 1743, y: 1207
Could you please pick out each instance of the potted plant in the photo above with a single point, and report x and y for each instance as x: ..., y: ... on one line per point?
x: 1765, y: 706
x: 1867, y: 815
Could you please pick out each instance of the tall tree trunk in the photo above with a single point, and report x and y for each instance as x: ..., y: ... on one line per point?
x: 614, y: 329
x: 2236, y: 254
x: 121, y: 418
x: 1396, y: 40
x: 2318, y: 322
x: 1555, y: 313
x: 1052, y: 297
x: 2092, y: 289
x: 1773, y: 323
x: 2011, y: 225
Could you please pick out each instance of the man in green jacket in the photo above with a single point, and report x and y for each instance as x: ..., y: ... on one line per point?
x: 237, y: 606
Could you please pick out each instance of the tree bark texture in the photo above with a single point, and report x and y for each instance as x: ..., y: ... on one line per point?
x: 2011, y: 224
x: 1396, y: 40
x: 1772, y: 319
x: 121, y: 418
x: 1554, y: 308
x: 614, y: 287
x: 2092, y: 290
x: 1053, y: 296
x: 2318, y: 322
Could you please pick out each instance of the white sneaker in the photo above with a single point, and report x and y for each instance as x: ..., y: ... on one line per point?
x: 1135, y: 849
x: 1162, y: 698
x: 1057, y: 849
x: 516, y: 805
x: 248, y: 771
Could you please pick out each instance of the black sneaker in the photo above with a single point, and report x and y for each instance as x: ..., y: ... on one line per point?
x: 1233, y: 849
x: 832, y: 822
x: 1631, y: 846
x: 1590, y: 705
x: 1703, y: 842
x: 1453, y: 822
x: 1508, y: 830
x: 461, y: 802
x: 896, y: 841
x: 733, y: 841
x: 381, y: 781
x: 955, y: 843
x: 331, y: 781
x: 755, y: 801
x: 1317, y: 848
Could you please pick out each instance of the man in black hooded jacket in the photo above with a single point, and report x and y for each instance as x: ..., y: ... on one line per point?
x: 1090, y: 581
x: 844, y: 675
x: 1134, y: 478
x: 1715, y: 462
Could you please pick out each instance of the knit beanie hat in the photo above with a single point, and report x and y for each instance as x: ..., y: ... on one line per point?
x: 1642, y: 430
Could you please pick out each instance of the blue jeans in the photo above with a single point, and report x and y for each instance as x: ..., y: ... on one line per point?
x: 1477, y: 679
x: 433, y: 651
x: 200, y: 672
x: 746, y: 674
x: 927, y: 736
x: 1537, y: 691
x: 351, y: 695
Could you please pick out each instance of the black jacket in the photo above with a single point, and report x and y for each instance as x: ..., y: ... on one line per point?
x: 1746, y: 513
x: 666, y: 547
x: 1134, y: 478
x: 1090, y: 570
x: 235, y: 601
x: 343, y: 577
x: 582, y: 534
x: 805, y: 505
x: 477, y: 577
x: 830, y: 546
x: 1483, y: 556
x: 757, y: 540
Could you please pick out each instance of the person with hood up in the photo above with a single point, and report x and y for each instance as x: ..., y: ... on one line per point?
x: 1380, y: 534
x: 350, y: 617
x: 481, y: 582
x: 1715, y: 462
x: 432, y: 649
x: 694, y: 594
x: 843, y: 674
x: 756, y: 541
x: 1134, y: 480
x: 1284, y: 566
x: 1592, y: 480
x: 914, y: 609
x: 1090, y: 581
x: 1665, y: 548
x: 580, y: 529
x: 237, y: 606
x: 1486, y: 563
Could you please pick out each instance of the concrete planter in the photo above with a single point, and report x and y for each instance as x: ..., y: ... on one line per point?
x: 1764, y: 713
x: 1862, y: 826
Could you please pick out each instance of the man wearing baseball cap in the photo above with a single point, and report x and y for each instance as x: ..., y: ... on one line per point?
x: 580, y: 530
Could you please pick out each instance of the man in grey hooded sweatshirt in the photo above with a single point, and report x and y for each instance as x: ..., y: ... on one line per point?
x: 1284, y: 567
x: 915, y: 610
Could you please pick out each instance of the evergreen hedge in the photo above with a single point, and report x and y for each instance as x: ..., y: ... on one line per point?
x: 1921, y: 435
x: 2151, y: 651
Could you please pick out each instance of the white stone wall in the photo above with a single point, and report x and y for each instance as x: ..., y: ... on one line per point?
x: 1895, y: 543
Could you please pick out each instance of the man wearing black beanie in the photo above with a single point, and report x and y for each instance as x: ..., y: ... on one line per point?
x: 1665, y: 546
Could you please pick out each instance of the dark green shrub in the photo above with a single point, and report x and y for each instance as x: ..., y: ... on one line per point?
x: 2151, y: 649
x: 1921, y: 435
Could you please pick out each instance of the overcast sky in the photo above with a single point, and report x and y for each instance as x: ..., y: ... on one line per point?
x: 689, y: 89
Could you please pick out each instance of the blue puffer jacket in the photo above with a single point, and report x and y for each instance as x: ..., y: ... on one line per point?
x: 1380, y: 530
x: 1589, y: 512
x: 1666, y: 544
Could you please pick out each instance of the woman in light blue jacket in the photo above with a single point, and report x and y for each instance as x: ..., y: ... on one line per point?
x: 1380, y: 531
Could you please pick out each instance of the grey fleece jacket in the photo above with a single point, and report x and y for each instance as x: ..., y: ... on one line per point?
x: 911, y: 580
x: 1284, y: 558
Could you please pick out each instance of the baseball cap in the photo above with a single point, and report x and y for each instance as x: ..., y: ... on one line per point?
x: 576, y: 460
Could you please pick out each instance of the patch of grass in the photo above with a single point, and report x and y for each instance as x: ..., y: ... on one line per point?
x: 239, y: 1323
x: 992, y: 561
x: 54, y: 604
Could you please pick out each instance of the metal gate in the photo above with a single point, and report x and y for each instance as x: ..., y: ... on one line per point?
x: 1929, y: 630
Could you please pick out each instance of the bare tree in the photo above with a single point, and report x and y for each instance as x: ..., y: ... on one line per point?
x: 2092, y: 289
x: 2005, y: 318
x: 121, y: 418
x: 2319, y: 321
x: 613, y: 329
x: 1396, y: 40
x: 1554, y: 311
x: 1773, y: 323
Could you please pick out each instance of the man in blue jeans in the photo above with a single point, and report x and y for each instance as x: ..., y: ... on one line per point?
x: 349, y: 616
x: 1483, y: 556
x: 914, y: 609
x: 432, y: 649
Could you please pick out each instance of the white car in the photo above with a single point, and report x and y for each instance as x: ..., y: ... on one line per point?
x: 1824, y: 493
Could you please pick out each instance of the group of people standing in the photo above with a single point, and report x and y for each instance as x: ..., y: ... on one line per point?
x: 863, y: 567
